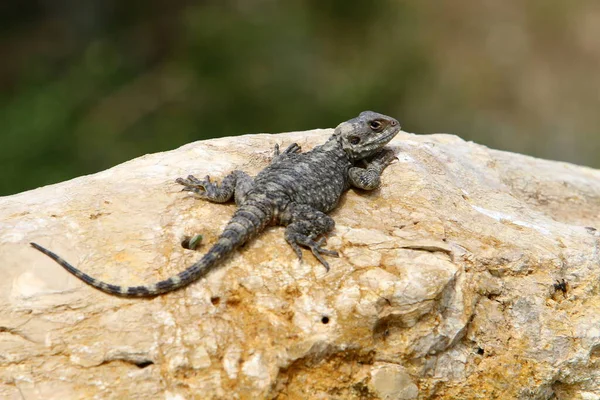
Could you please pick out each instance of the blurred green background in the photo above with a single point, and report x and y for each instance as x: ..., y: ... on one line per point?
x: 85, y: 85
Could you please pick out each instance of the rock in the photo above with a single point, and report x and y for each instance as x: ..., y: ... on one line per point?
x: 449, y: 285
x: 390, y: 381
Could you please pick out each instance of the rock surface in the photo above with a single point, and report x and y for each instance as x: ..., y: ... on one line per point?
x: 447, y: 286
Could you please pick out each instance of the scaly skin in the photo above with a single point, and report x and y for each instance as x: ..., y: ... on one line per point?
x: 296, y: 190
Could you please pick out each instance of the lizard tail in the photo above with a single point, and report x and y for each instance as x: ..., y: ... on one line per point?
x: 246, y: 223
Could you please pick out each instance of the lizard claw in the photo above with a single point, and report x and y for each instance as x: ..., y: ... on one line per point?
x: 385, y: 157
x: 297, y: 250
x: 293, y: 148
x: 321, y: 250
x: 193, y: 184
x: 315, y: 248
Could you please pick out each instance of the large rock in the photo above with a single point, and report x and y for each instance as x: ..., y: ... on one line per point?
x: 449, y: 285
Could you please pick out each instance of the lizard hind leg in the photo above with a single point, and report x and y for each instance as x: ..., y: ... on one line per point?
x: 237, y: 184
x: 304, y: 224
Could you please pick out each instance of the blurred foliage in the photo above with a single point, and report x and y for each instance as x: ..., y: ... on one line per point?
x: 87, y: 84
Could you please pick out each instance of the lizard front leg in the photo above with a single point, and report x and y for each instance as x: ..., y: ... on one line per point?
x: 369, y: 178
x: 236, y: 184
x: 304, y: 224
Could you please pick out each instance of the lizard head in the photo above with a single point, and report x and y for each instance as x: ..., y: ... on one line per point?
x: 366, y: 134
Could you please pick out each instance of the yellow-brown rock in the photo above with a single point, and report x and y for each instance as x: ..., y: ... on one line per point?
x: 449, y: 285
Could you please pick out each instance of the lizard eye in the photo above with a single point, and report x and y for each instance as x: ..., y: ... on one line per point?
x: 376, y: 126
x: 354, y: 140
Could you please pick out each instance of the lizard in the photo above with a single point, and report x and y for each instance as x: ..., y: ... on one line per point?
x: 295, y: 190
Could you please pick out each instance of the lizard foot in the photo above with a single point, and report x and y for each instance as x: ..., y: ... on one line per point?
x: 204, y: 187
x: 383, y: 158
x: 293, y: 148
x: 315, y: 247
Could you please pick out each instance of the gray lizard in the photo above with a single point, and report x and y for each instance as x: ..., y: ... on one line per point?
x: 296, y: 190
